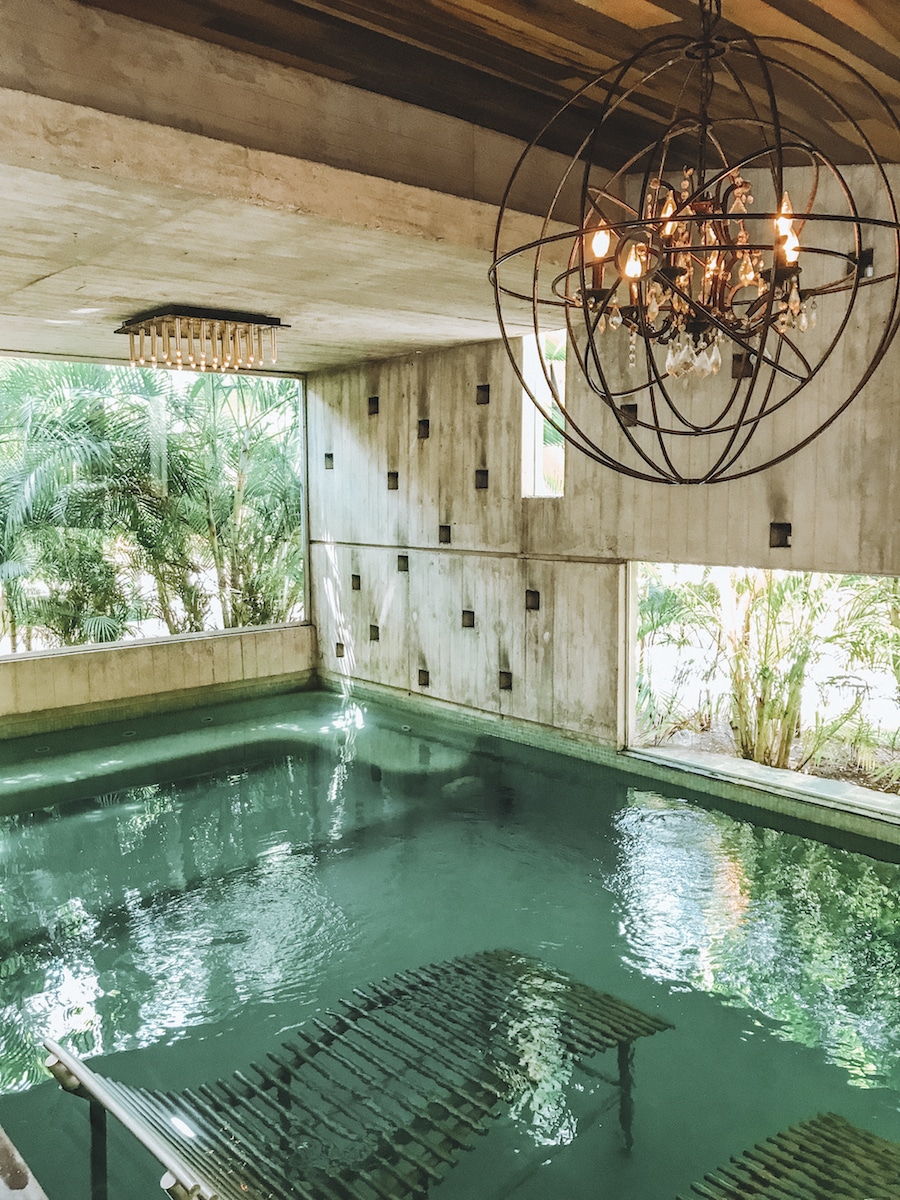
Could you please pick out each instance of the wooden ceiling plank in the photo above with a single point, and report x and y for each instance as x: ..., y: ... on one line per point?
x: 764, y: 19
x: 478, y: 39
x: 506, y: 64
x: 460, y: 43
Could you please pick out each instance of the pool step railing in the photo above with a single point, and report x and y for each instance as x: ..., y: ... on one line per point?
x: 379, y: 1100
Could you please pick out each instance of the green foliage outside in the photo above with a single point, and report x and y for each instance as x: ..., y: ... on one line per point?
x: 794, y: 669
x: 135, y: 498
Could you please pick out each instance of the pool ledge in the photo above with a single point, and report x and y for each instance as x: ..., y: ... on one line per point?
x: 15, y: 1177
x: 29, y: 781
x: 830, y: 802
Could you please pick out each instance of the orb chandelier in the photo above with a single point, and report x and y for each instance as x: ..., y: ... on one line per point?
x: 728, y: 283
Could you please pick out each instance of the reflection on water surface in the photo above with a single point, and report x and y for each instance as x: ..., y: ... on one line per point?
x: 196, y: 922
x: 804, y: 934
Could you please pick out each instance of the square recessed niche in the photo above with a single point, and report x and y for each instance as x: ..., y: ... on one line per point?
x: 375, y: 773
x: 468, y: 618
x: 532, y: 600
x: 393, y: 481
x: 402, y: 562
x: 506, y: 681
x: 741, y: 365
x: 374, y: 633
x: 339, y: 649
x: 373, y: 406
x: 424, y: 678
x: 444, y: 534
x: 481, y: 480
x: 629, y: 414
x: 483, y: 393
x: 424, y: 429
x: 780, y: 534
x: 355, y: 582
x: 329, y: 462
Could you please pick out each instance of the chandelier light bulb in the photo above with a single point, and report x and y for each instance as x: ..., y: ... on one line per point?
x: 634, y: 265
x: 600, y: 242
x: 667, y: 210
x: 784, y: 226
x: 784, y: 223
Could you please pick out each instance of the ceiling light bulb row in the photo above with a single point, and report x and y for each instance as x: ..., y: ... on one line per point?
x: 202, y: 340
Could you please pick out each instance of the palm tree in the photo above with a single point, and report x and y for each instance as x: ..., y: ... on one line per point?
x: 112, y: 477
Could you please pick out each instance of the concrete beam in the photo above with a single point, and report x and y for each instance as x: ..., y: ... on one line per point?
x: 107, y: 63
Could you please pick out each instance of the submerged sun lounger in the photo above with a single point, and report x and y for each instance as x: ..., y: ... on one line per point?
x: 825, y: 1158
x: 380, y: 1101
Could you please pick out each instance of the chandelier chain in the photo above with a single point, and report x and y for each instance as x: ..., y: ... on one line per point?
x: 710, y: 12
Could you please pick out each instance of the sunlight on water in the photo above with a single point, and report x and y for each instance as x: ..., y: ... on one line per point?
x: 545, y: 1065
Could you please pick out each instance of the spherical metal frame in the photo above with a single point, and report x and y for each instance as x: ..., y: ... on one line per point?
x: 650, y: 422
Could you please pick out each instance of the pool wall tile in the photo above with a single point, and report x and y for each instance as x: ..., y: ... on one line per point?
x: 168, y: 669
x: 221, y: 662
x: 197, y: 665
x: 269, y: 655
x: 25, y: 696
x: 139, y: 678
x: 234, y: 651
x: 250, y: 664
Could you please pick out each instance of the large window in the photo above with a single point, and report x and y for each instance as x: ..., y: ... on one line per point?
x: 136, y: 503
x: 793, y: 669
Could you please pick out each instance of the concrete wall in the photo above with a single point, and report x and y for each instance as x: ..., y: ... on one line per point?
x: 567, y: 659
x: 63, y: 688
x: 562, y: 659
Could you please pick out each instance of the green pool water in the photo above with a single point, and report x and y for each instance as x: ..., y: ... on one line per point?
x: 175, y: 931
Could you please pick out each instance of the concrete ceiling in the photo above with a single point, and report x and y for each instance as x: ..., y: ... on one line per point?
x: 83, y: 252
x: 135, y: 176
x: 265, y: 155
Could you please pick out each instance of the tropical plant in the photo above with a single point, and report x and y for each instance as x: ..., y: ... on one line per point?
x: 127, y: 493
x: 778, y: 659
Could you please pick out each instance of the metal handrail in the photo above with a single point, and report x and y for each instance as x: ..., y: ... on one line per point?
x: 180, y: 1181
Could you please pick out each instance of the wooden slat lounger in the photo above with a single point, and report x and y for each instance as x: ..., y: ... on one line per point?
x: 825, y: 1158
x: 379, y: 1101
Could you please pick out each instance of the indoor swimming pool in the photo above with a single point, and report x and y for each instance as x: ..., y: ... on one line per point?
x: 174, y: 931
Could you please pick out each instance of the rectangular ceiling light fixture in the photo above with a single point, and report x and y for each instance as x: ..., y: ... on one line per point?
x: 202, y: 339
